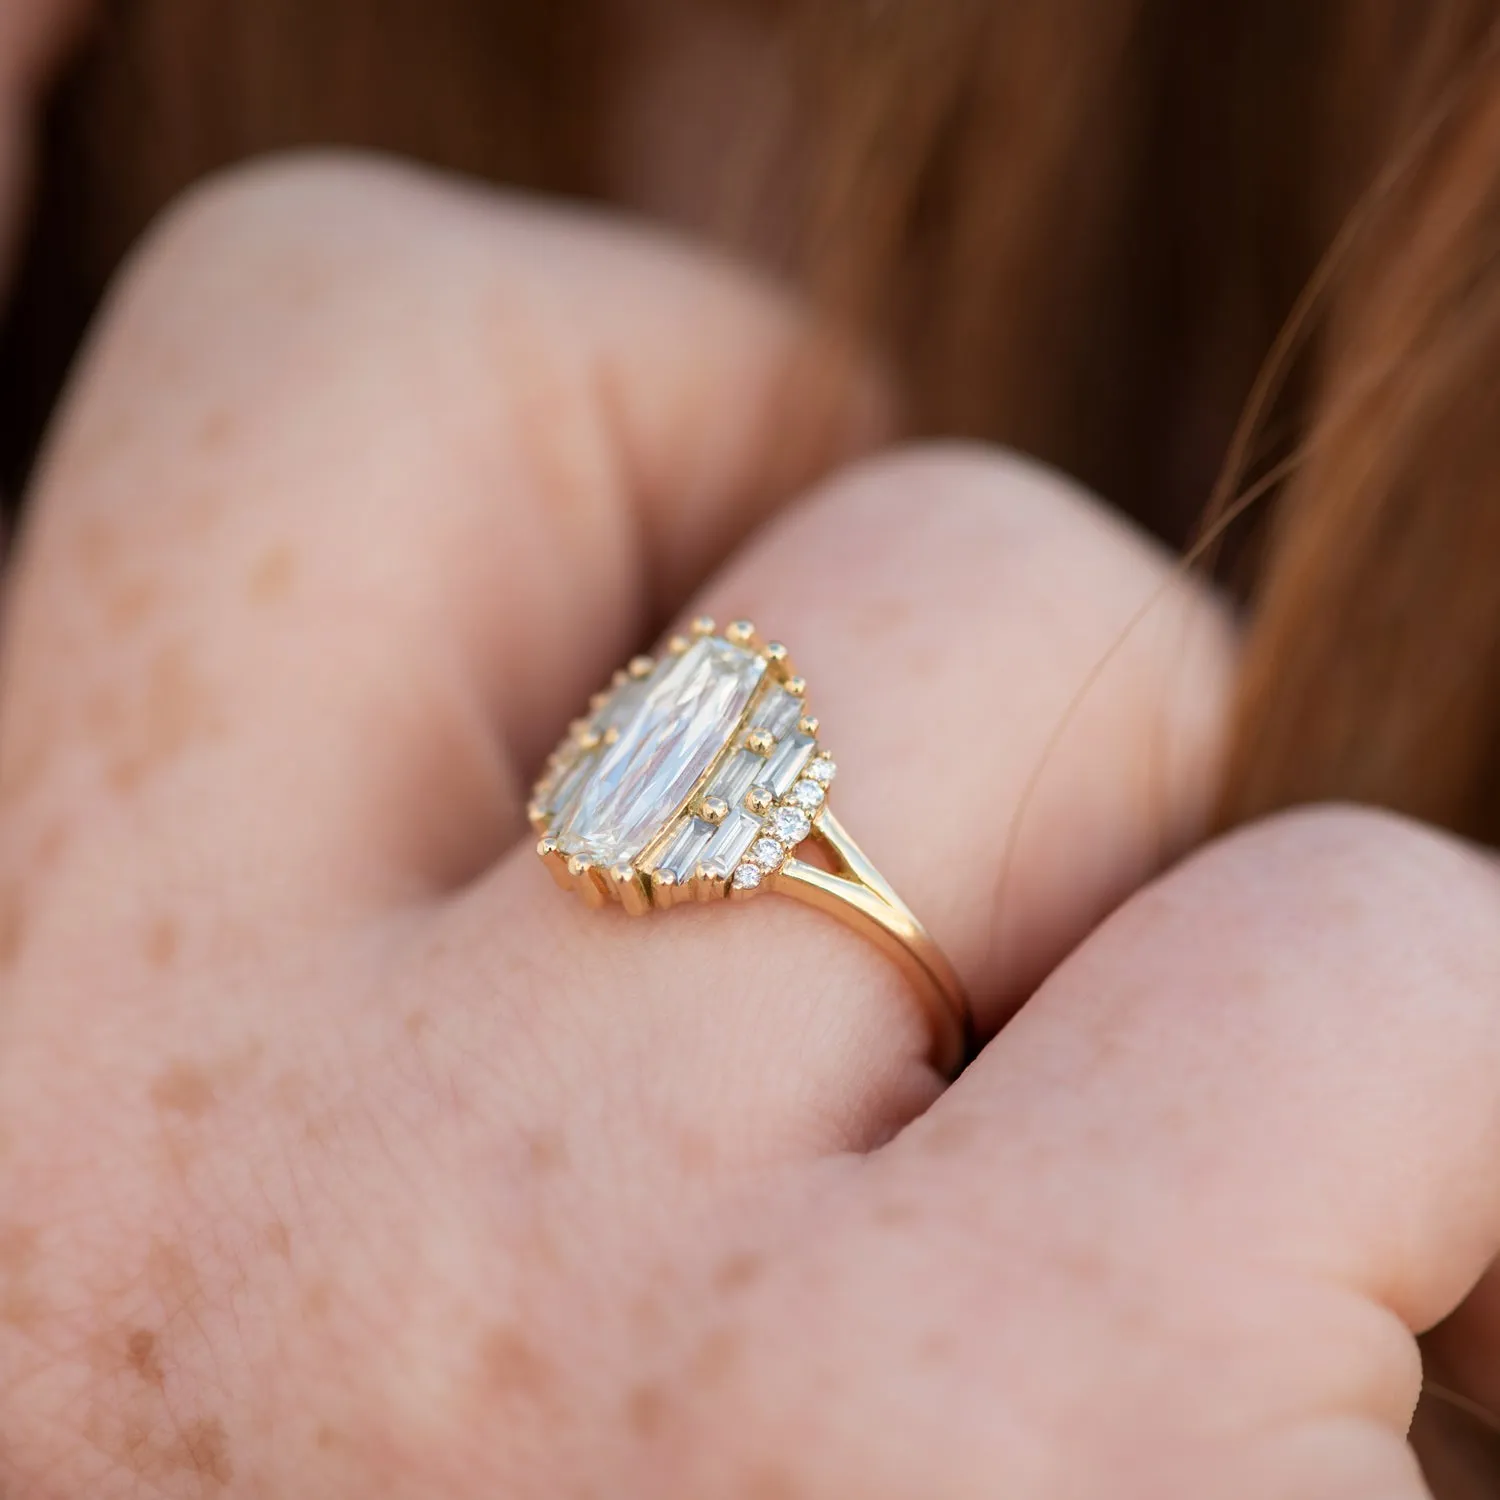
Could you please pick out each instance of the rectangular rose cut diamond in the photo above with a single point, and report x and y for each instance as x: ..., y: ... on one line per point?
x: 684, y: 716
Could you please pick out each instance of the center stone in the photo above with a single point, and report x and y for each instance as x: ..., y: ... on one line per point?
x: 686, y: 715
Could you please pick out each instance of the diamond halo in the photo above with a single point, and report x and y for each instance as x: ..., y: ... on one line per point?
x: 694, y: 776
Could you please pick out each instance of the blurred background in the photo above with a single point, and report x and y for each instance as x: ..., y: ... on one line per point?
x: 1078, y: 227
x: 1077, y: 224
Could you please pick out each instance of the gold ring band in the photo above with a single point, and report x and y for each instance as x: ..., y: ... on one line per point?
x: 694, y: 777
x: 861, y: 898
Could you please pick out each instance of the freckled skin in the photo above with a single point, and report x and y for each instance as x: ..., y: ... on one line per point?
x: 548, y: 1153
x: 646, y: 1410
x: 273, y: 575
x: 19, y: 1305
x: 772, y: 1483
x: 141, y: 1355
x: 184, y: 1090
x: 316, y: 1300
x: 97, y: 544
x: 132, y: 605
x: 696, y: 1151
x: 162, y: 942
x: 739, y: 1271
x: 177, y: 707
x: 205, y: 1445
x: 216, y: 429
x: 513, y: 1367
x: 18, y: 1248
x: 154, y: 718
x: 12, y: 926
x: 51, y: 845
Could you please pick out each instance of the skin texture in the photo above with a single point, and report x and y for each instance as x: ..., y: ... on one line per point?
x: 341, y: 1155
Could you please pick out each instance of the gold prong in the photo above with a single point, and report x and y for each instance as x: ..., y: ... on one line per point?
x: 598, y: 701
x: 796, y: 687
x: 760, y: 741
x: 760, y: 800
x: 709, y: 885
x: 640, y: 666
x: 610, y: 735
x: 807, y: 725
x: 630, y: 889
x: 556, y: 863
x: 578, y: 728
x: 678, y: 644
x: 713, y: 810
x: 778, y: 660
x: 537, y: 815
x: 588, y: 739
x: 663, y: 889
x: 703, y: 625
x: 620, y: 678
x: 740, y: 633
x: 588, y: 880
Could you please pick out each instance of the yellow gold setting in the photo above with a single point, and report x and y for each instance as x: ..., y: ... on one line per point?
x: 695, y: 778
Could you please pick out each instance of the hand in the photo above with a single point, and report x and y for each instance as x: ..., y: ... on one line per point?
x: 341, y: 1155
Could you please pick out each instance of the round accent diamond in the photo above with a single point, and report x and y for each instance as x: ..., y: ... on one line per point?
x: 747, y: 877
x: 807, y: 795
x: 821, y: 771
x: 768, y: 854
x: 790, y: 825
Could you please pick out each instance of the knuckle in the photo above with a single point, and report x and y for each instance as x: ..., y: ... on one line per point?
x: 221, y: 234
x: 957, y: 475
x: 1036, y: 531
x: 1364, y: 862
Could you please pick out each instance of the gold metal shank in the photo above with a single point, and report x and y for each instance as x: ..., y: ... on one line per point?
x: 860, y: 897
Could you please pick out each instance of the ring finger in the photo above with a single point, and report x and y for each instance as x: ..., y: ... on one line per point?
x: 946, y: 607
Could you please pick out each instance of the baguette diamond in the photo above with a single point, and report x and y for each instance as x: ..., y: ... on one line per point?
x: 687, y: 711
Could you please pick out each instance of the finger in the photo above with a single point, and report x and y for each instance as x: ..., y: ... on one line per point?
x: 945, y: 607
x: 365, y: 477
x: 1257, y: 1110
